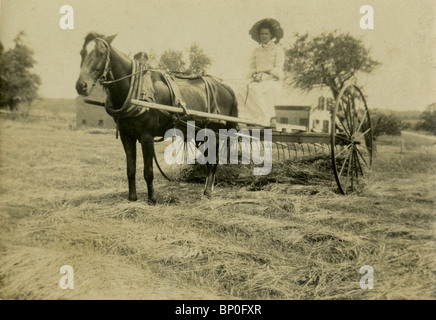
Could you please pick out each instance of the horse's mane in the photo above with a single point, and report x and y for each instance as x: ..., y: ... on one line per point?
x: 92, y: 36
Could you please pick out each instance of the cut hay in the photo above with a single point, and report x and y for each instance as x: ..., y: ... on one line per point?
x: 304, y: 171
x: 280, y: 241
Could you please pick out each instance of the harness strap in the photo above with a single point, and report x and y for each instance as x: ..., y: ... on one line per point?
x: 211, y: 103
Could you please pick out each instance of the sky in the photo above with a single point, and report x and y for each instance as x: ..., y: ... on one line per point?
x: 403, y: 38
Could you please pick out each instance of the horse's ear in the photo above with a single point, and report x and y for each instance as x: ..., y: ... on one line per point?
x: 111, y: 38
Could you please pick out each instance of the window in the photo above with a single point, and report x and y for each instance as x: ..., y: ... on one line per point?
x: 284, y: 120
x: 100, y: 123
x: 329, y: 104
x: 304, y: 122
x: 321, y: 103
x: 325, y: 126
x: 83, y: 121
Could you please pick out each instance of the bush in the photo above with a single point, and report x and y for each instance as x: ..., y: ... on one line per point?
x: 385, y: 124
x: 428, y: 120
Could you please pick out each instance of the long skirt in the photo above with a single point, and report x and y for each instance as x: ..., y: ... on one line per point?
x: 256, y: 100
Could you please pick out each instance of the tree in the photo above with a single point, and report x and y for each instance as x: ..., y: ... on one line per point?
x: 385, y: 124
x: 326, y: 60
x: 172, y: 60
x: 199, y: 61
x: 18, y: 84
x: 428, y: 119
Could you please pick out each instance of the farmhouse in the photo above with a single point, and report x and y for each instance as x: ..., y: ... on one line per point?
x: 305, y: 109
x: 92, y: 115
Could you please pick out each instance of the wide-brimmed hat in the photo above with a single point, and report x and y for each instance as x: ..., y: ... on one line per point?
x: 274, y: 26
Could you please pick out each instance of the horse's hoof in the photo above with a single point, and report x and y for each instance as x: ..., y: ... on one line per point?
x: 133, y: 198
x: 151, y: 201
x: 207, y: 194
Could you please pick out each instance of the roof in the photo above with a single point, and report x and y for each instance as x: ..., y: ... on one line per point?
x: 296, y: 97
x: 288, y: 107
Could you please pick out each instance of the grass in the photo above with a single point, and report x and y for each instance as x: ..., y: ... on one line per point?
x: 288, y: 236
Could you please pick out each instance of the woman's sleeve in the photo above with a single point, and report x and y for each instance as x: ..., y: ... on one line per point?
x: 252, y: 65
x: 279, y: 62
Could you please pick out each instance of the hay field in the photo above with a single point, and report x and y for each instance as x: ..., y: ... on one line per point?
x: 64, y: 202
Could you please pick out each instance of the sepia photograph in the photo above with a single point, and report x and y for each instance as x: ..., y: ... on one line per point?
x: 229, y: 150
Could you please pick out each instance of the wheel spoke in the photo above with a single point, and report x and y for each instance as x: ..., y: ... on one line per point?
x: 350, y: 161
x: 350, y: 106
x: 358, y: 163
x: 363, y: 118
x: 348, y: 148
x: 345, y: 129
x: 352, y: 119
x: 362, y: 157
x: 362, y: 134
x: 347, y: 118
x: 352, y: 111
x: 341, y: 118
x: 345, y: 161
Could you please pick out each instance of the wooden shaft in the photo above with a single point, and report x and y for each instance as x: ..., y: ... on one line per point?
x: 197, y: 113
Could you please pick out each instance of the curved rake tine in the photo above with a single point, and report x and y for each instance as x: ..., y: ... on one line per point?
x: 262, y: 146
x: 296, y: 151
x: 302, y: 149
x: 289, y: 151
x: 279, y: 148
x: 284, y: 151
x: 339, y: 149
x: 277, y: 151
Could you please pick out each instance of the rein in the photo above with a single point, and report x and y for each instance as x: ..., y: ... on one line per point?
x: 103, y: 82
x: 103, y: 78
x: 127, y: 110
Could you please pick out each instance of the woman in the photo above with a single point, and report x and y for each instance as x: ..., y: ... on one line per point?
x: 266, y: 72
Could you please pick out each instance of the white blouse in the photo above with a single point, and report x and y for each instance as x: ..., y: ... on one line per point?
x: 268, y: 58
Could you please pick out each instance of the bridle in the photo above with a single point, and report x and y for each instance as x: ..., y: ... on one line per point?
x: 102, y: 80
x: 107, y: 65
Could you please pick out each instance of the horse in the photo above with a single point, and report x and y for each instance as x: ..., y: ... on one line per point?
x: 111, y: 68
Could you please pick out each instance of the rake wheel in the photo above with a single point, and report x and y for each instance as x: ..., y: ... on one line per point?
x: 351, y: 128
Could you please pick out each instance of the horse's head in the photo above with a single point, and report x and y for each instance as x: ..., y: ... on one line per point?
x: 95, y: 62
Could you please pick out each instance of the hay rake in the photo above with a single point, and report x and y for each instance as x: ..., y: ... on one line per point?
x: 349, y: 143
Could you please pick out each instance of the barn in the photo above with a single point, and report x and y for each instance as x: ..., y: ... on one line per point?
x: 309, y: 109
x: 92, y: 115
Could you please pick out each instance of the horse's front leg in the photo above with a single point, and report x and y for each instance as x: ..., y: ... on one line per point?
x: 129, y: 144
x: 147, y: 153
